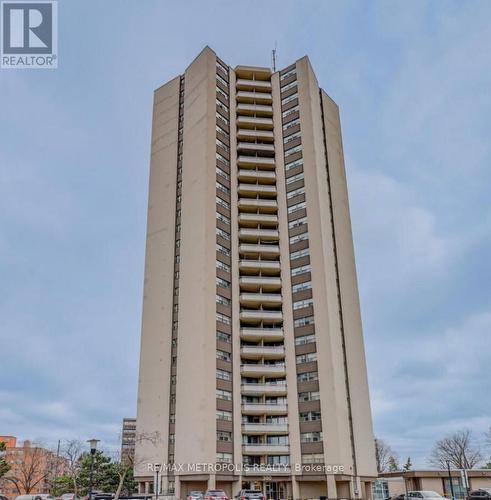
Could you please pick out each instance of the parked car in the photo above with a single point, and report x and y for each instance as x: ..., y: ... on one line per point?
x: 29, y: 497
x: 250, y: 495
x: 68, y: 496
x: 399, y: 497
x: 195, y: 495
x: 480, y: 494
x: 216, y: 495
x: 426, y: 495
x: 3, y: 497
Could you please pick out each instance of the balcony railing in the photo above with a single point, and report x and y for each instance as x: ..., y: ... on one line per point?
x: 266, y: 449
x: 264, y: 408
x: 267, y: 334
x: 264, y: 428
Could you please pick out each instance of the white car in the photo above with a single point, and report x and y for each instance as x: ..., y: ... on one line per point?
x: 425, y: 495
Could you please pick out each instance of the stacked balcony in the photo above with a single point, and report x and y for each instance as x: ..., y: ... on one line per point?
x: 263, y: 371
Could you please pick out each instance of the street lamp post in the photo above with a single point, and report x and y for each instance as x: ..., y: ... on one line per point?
x: 157, y: 482
x: 93, y: 449
x: 450, y: 479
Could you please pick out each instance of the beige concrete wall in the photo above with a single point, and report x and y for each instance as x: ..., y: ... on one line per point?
x: 312, y: 489
x: 196, y: 360
x: 330, y: 360
x: 355, y: 350
x: 153, y: 384
x: 432, y: 484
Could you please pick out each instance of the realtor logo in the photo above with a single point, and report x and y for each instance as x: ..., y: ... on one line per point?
x: 29, y: 34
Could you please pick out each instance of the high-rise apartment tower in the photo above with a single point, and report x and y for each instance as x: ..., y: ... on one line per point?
x: 252, y: 370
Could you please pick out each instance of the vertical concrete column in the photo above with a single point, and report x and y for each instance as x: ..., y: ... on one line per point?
x: 177, y: 487
x: 295, y: 488
x: 332, y: 491
x: 211, y: 482
x: 236, y: 486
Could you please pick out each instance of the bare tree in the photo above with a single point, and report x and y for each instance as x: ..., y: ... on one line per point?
x: 72, y: 451
x: 129, y: 461
x: 458, y: 449
x: 30, y: 470
x: 387, y: 460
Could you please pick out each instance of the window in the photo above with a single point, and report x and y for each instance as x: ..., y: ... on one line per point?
x: 288, y: 99
x: 293, y: 164
x: 294, y: 178
x: 222, y: 118
x: 222, y: 144
x: 288, y: 74
x: 224, y: 436
x: 224, y: 337
x: 299, y: 237
x: 222, y: 80
x: 222, y: 249
x: 224, y: 267
x: 294, y: 150
x: 309, y: 416
x: 223, y: 318
x: 223, y: 375
x: 291, y: 124
x: 223, y: 355
x: 306, y: 285
x: 222, y: 173
x: 224, y: 415
x: 305, y: 339
x: 277, y: 440
x: 226, y: 395
x: 302, y: 269
x: 223, y: 218
x: 222, y: 233
x: 307, y: 320
x: 301, y: 304
x: 223, y: 203
x: 297, y: 223
x: 224, y: 458
x: 222, y: 67
x: 300, y: 253
x: 306, y: 358
x: 278, y: 460
x: 295, y: 192
x: 223, y: 300
x: 289, y: 111
x: 221, y: 105
x: 292, y: 137
x: 222, y: 158
x: 172, y: 418
x: 296, y: 207
x: 222, y: 282
x: 222, y: 188
x: 307, y: 377
x: 220, y: 130
x: 313, y: 458
x: 289, y: 86
x: 222, y: 93
x: 308, y: 396
x: 310, y: 437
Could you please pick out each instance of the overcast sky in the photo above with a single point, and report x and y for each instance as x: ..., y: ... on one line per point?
x: 413, y: 82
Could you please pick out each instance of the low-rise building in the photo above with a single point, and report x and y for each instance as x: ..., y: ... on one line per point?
x: 32, y: 468
x: 392, y: 484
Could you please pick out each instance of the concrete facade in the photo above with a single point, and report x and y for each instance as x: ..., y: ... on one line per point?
x: 398, y: 483
x: 252, y: 357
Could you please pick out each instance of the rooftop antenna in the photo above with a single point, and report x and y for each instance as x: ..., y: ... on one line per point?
x: 274, y: 57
